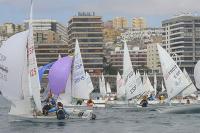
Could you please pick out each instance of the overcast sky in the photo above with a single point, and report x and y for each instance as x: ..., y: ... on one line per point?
x: 154, y: 11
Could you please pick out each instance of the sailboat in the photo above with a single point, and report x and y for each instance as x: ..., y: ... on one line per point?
x: 19, y: 74
x: 129, y: 77
x: 175, y: 81
x: 147, y: 85
x: 81, y: 82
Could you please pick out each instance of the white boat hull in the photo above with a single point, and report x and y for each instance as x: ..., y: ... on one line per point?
x: 181, y: 109
x: 86, y: 115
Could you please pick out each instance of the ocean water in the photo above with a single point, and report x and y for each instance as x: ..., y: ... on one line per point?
x: 108, y: 121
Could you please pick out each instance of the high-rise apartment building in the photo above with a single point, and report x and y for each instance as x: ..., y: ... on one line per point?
x: 87, y: 28
x: 9, y: 28
x: 44, y: 25
x: 120, y: 23
x: 47, y: 52
x: 138, y: 58
x: 181, y: 38
x: 153, y: 61
x: 139, y: 23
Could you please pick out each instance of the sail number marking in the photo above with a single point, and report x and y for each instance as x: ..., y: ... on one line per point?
x: 33, y: 72
x: 31, y: 50
x: 133, y: 89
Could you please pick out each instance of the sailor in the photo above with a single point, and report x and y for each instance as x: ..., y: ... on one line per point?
x: 144, y: 102
x: 79, y: 101
x: 60, y: 112
x: 46, y: 108
x: 90, y: 103
x: 151, y: 97
x: 188, y: 101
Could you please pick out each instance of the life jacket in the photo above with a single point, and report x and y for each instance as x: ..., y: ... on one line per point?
x: 45, y: 109
x: 60, y: 114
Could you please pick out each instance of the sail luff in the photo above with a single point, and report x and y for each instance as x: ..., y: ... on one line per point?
x: 34, y: 82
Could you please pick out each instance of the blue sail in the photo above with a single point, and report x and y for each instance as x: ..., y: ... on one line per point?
x: 43, y: 69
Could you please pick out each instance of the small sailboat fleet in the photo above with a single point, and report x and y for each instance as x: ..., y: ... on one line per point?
x: 68, y: 80
x: 20, y: 83
x: 130, y: 85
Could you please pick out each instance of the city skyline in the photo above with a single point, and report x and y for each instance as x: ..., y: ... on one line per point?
x: 154, y: 11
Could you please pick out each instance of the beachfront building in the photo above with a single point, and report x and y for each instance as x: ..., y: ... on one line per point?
x: 48, y: 31
x: 181, y: 38
x: 138, y: 58
x: 120, y: 23
x: 88, y: 29
x: 153, y: 62
x: 139, y: 23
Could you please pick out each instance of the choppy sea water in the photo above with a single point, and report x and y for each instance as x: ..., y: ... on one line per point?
x: 108, y: 121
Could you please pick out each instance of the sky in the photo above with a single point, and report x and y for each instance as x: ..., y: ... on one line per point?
x: 154, y: 11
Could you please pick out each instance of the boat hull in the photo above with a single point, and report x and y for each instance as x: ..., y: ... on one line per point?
x: 78, y: 115
x: 181, y: 109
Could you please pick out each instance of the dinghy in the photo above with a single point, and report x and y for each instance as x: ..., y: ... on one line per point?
x: 176, y: 83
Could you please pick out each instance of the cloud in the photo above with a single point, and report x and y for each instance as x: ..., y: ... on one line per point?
x: 142, y: 7
x: 63, y: 9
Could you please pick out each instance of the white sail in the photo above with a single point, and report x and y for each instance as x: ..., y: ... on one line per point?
x: 145, y: 84
x: 148, y: 88
x: 163, y: 87
x: 12, y: 63
x: 155, y: 84
x: 119, y: 84
x: 34, y: 82
x: 79, y: 84
x: 139, y: 84
x: 191, y: 89
x: 128, y: 75
x: 66, y: 97
x: 197, y: 74
x: 174, y: 78
x: 89, y: 82
x: 150, y: 85
x: 103, y: 86
x: 14, y: 74
x: 108, y: 87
